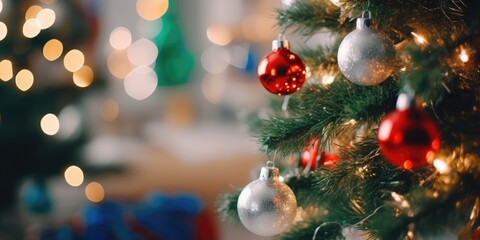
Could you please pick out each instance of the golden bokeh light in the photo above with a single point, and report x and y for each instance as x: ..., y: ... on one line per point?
x: 151, y: 10
x: 419, y: 39
x: 52, y: 50
x: 95, y: 192
x: 6, y: 70
x: 74, y: 176
x: 464, y: 56
x: 120, y: 38
x: 3, y: 30
x: 50, y: 124
x: 31, y: 28
x: 83, y: 77
x: 220, y: 35
x: 118, y: 64
x: 32, y: 12
x: 109, y: 110
x: 24, y: 79
x: 46, y: 18
x: 74, y: 60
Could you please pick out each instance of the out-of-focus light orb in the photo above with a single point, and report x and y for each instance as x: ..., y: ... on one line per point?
x: 215, y: 59
x: 1, y: 6
x: 52, y: 50
x: 6, y: 70
x: 95, y: 192
x: 31, y: 28
x: 70, y: 120
x: 109, y: 110
x: 419, y: 39
x: 464, y: 56
x: 120, y: 38
x: 74, y: 176
x: 32, y: 12
x: 118, y: 64
x: 46, y: 18
x: 3, y: 30
x: 140, y: 83
x: 142, y: 52
x: 149, y: 29
x: 50, y: 124
x: 74, y: 60
x: 24, y: 79
x: 83, y: 77
x: 219, y: 35
x: 151, y: 9
x: 213, y: 88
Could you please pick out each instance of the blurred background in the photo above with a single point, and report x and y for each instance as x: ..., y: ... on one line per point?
x: 127, y: 119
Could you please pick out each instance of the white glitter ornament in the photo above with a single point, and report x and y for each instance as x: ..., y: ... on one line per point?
x: 267, y: 206
x: 366, y: 56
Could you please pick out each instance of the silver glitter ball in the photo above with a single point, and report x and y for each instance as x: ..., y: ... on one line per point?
x: 267, y: 206
x: 366, y: 56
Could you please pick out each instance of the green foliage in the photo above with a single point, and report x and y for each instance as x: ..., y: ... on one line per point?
x: 365, y: 191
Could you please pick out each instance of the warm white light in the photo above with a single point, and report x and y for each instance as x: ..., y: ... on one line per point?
x: 53, y: 49
x: 441, y: 166
x: 419, y: 38
x: 142, y: 52
x: 464, y: 56
x: 31, y: 28
x: 50, y: 124
x: 95, y: 192
x: 118, y: 64
x: 6, y: 70
x: 83, y: 77
x: 140, y: 83
x: 24, y: 79
x: 74, y: 176
x: 46, y: 18
x: 3, y: 30
x: 74, y: 60
x: 32, y: 12
x: 219, y: 35
x: 120, y: 38
x: 151, y: 9
x: 327, y: 79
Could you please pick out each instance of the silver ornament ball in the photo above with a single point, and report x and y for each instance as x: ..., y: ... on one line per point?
x: 366, y: 56
x: 267, y: 206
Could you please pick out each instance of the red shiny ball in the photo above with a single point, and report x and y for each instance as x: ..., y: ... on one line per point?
x: 408, y: 138
x: 310, y: 154
x: 282, y: 72
x: 476, y: 234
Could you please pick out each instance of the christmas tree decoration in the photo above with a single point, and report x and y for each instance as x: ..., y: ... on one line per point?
x: 281, y: 72
x: 267, y: 206
x: 310, y: 154
x: 366, y: 56
x: 476, y: 234
x: 408, y: 137
x: 328, y: 160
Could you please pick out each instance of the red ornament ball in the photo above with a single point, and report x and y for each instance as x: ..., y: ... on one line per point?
x: 329, y: 160
x: 408, y: 138
x: 476, y: 234
x: 282, y: 72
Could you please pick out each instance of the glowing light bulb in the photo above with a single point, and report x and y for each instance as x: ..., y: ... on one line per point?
x: 74, y: 176
x: 83, y: 77
x: 24, y: 79
x: 73, y: 60
x: 95, y: 192
x: 441, y: 166
x: 464, y: 56
x: 52, y: 50
x: 419, y: 39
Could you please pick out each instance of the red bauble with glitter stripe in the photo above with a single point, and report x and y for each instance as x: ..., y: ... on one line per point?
x: 408, y: 138
x: 282, y: 72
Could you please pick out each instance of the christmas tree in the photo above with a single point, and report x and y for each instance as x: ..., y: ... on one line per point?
x: 385, y: 127
x: 46, y: 66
